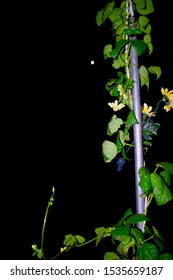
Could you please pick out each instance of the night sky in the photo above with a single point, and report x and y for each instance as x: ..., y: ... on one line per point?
x: 54, y: 120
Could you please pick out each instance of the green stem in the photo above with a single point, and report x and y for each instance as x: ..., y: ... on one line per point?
x: 146, y: 240
x: 130, y: 145
x: 50, y: 202
x: 149, y: 199
x: 43, y: 228
x: 127, y: 47
x: 155, y: 111
x: 78, y: 245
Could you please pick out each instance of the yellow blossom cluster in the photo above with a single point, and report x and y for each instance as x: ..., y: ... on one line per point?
x: 167, y: 98
x: 122, y: 93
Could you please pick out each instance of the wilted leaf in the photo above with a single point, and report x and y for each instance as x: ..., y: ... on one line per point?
x: 124, y: 246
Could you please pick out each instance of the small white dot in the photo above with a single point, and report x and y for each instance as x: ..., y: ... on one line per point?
x: 92, y: 62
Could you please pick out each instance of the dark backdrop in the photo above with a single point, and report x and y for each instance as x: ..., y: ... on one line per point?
x: 54, y: 120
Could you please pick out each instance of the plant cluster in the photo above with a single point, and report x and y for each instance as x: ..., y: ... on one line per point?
x: 131, y: 28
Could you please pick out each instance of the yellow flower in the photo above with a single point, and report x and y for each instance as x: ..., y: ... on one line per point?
x: 115, y: 106
x: 168, y: 94
x: 168, y: 98
x: 147, y: 110
x: 125, y: 95
x: 168, y: 106
x: 63, y: 249
x: 120, y: 89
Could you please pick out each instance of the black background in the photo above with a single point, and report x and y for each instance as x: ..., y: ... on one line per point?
x: 54, y: 118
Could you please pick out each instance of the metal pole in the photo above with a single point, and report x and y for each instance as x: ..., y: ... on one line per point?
x: 137, y: 128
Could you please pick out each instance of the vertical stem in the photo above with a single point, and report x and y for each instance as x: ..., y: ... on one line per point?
x: 137, y: 128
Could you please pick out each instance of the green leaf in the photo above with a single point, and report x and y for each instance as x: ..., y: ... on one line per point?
x: 147, y: 40
x: 120, y: 61
x: 108, y: 231
x: 127, y: 213
x: 137, y: 234
x: 144, y: 77
x: 110, y: 84
x: 118, y: 48
x: 69, y: 240
x: 160, y: 190
x: 106, y: 51
x: 99, y: 231
x: 35, y: 253
x: 116, y: 18
x: 148, y: 31
x: 121, y: 231
x: 142, y: 171
x: 148, y: 230
x: 120, y: 29
x: 80, y: 239
x: 144, y: 7
x: 114, y: 125
x: 124, y: 246
x: 166, y: 256
x: 111, y: 256
x: 147, y: 143
x: 121, y: 137
x: 40, y: 254
x: 119, y: 143
x: 139, y: 46
x: 143, y: 21
x: 136, y: 218
x: 147, y: 251
x: 145, y: 183
x: 131, y: 118
x: 157, y: 239
x: 149, y: 129
x: 166, y: 177
x: 109, y: 150
x: 155, y: 70
x: 103, y: 14
x: 131, y: 31
x: 159, y: 244
x: 157, y: 233
x: 166, y: 165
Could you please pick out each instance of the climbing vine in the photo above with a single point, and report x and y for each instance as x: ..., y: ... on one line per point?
x: 131, y: 28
